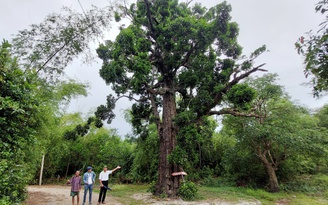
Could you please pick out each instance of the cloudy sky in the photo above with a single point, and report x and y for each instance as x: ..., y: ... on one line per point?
x: 277, y: 24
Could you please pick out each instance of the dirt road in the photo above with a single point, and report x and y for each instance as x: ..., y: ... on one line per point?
x: 59, y: 195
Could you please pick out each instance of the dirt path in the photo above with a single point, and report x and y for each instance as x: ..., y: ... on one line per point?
x: 59, y: 195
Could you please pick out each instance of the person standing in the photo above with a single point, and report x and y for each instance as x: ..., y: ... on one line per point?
x: 103, y: 179
x: 89, y: 178
x: 75, y: 182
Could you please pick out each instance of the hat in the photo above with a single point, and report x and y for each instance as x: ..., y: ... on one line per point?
x: 88, y: 168
x: 105, y: 166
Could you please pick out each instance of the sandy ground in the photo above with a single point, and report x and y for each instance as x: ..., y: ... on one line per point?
x: 59, y: 195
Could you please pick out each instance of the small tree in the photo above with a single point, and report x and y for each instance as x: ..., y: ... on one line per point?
x: 280, y: 131
x: 173, y: 49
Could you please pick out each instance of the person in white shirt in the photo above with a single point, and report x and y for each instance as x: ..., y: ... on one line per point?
x: 103, y: 179
x: 89, y: 178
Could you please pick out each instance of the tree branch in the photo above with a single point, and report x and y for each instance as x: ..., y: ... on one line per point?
x: 235, y: 81
x: 149, y: 16
x: 234, y: 112
x: 155, y: 111
x: 128, y: 97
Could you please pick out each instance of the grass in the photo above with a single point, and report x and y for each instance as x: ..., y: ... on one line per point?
x: 124, y: 193
x: 318, y: 194
x: 235, y: 194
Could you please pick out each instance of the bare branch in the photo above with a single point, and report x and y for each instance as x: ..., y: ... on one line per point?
x: 128, y: 97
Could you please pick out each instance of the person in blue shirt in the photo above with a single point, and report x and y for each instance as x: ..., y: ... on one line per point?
x: 88, y: 179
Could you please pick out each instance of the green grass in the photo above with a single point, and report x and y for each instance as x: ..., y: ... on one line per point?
x: 234, y: 194
x: 124, y: 193
x: 318, y: 194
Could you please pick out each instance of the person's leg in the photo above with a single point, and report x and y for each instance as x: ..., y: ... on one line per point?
x: 85, y: 193
x: 100, y: 194
x: 78, y: 199
x: 105, y: 183
x: 72, y: 200
x: 90, y: 193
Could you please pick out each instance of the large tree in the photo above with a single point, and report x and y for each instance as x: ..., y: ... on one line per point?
x: 174, y: 49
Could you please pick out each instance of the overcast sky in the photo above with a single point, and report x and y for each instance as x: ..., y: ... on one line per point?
x: 275, y: 23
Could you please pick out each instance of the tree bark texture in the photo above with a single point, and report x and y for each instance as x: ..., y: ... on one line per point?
x: 273, y: 184
x: 167, y: 184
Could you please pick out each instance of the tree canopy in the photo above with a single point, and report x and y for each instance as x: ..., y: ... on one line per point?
x: 48, y: 47
x: 313, y: 47
x: 282, y: 131
x: 172, y: 50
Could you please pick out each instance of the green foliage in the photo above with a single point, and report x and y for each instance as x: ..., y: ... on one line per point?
x: 96, y: 148
x: 188, y: 191
x: 52, y: 44
x: 18, y: 123
x: 152, y: 187
x: 241, y: 96
x: 175, y: 50
x: 145, y: 162
x: 14, y: 171
x: 310, y: 184
x: 322, y: 115
x: 194, y: 46
x: 284, y: 134
x: 242, y: 167
x: 195, y: 151
x: 314, y: 50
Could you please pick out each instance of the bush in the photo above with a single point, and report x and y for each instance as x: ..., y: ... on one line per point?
x: 188, y: 191
x: 13, y: 182
x: 152, y: 187
x: 5, y: 201
x: 307, y: 184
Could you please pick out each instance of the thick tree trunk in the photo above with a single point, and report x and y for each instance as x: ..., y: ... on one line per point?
x: 273, y: 180
x: 167, y: 184
x: 271, y: 171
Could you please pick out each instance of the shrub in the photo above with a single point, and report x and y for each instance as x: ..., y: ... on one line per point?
x: 307, y: 184
x: 188, y: 191
x: 152, y: 187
